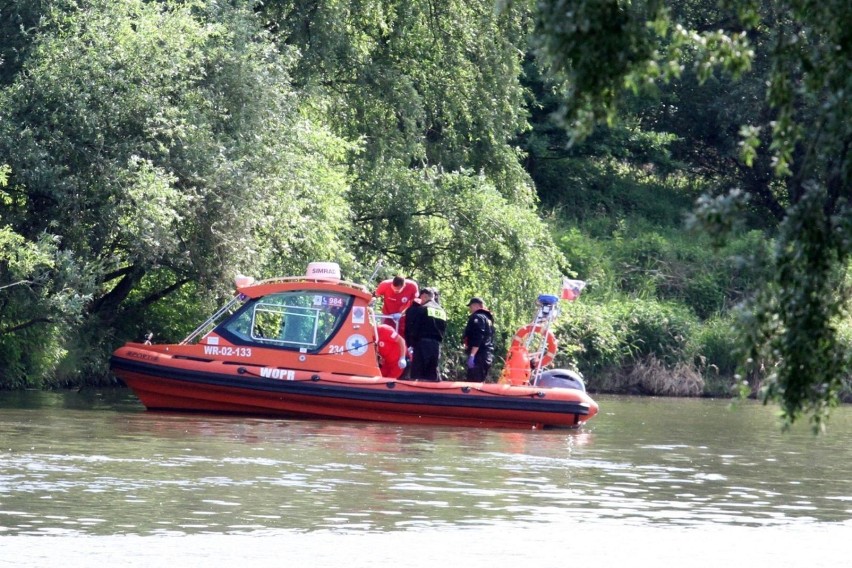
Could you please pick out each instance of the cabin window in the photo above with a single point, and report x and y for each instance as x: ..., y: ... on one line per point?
x: 297, y: 320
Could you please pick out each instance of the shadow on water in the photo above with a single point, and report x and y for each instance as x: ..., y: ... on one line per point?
x: 118, y: 400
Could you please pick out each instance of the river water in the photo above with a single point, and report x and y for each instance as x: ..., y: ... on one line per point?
x: 88, y: 478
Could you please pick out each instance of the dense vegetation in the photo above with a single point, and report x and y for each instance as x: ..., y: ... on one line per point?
x: 152, y: 150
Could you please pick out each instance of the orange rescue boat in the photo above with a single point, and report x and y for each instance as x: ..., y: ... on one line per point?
x: 306, y: 347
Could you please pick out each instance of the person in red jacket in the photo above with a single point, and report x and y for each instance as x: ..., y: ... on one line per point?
x: 397, y: 295
x: 391, y: 348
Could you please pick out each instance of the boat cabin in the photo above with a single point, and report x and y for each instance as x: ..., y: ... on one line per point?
x: 310, y: 323
x: 299, y: 319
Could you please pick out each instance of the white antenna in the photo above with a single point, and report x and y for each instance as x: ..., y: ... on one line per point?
x: 375, y: 273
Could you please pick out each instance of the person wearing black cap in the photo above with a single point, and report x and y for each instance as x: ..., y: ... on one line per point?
x: 478, y: 339
x: 424, y: 332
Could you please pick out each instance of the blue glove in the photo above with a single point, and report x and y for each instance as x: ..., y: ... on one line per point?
x: 402, y: 363
x: 396, y: 317
x: 471, y: 363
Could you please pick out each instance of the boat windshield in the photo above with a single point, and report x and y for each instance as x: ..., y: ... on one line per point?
x: 296, y: 320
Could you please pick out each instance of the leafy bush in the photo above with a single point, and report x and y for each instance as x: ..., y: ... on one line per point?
x: 717, y: 351
x: 704, y: 293
x: 599, y: 338
x: 656, y: 328
x: 653, y: 377
x: 844, y: 333
x: 647, y: 346
x: 588, y: 338
x: 644, y: 261
x: 590, y: 258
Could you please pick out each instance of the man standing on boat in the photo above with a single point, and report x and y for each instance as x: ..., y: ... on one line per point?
x: 397, y: 295
x: 427, y: 324
x: 478, y: 340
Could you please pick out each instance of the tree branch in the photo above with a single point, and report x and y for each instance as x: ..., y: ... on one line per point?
x: 107, y: 305
x: 16, y: 284
x: 118, y: 273
x: 162, y: 293
x: 30, y: 323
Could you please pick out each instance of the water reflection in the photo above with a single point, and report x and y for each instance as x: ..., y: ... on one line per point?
x: 97, y: 464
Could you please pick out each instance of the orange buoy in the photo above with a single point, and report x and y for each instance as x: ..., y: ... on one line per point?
x: 517, y: 369
x: 523, y: 333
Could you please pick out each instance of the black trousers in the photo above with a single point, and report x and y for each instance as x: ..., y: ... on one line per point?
x: 481, y: 366
x: 427, y: 353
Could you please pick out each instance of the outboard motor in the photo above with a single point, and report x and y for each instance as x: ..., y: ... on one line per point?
x: 561, y: 378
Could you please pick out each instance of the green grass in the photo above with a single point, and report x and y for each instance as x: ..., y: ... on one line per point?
x: 657, y: 316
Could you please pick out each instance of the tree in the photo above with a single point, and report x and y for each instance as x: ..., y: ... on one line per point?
x: 36, y: 303
x: 603, y: 48
x: 155, y: 145
x: 432, y: 92
x: 156, y: 148
x: 421, y: 83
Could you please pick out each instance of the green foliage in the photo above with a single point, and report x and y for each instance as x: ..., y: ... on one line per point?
x: 147, y: 137
x: 583, y: 188
x: 423, y: 84
x: 717, y: 345
x: 645, y: 261
x: 433, y: 93
x: 574, y: 36
x: 640, y: 275
x: 163, y: 147
x: 18, y: 21
x: 654, y: 328
x: 619, y: 333
x: 169, y: 321
x: 800, y: 52
x: 648, y: 346
x: 155, y: 149
x: 464, y: 238
x: 589, y: 257
x: 844, y: 336
x: 41, y: 299
x: 798, y: 313
x: 589, y: 339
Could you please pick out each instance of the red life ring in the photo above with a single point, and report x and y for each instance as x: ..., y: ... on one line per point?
x: 521, y: 335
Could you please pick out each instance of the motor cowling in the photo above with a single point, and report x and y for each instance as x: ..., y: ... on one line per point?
x: 561, y: 378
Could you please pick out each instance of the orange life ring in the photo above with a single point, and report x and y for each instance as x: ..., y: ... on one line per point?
x: 521, y: 335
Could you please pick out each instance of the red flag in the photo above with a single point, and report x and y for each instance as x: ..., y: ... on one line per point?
x: 571, y: 289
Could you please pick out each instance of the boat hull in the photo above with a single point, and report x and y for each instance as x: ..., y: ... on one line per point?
x: 163, y: 382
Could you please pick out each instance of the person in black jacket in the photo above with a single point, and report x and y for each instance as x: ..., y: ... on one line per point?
x: 424, y: 332
x: 479, y: 340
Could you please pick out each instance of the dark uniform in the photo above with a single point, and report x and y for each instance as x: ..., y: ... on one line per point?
x: 424, y: 332
x: 479, y: 332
